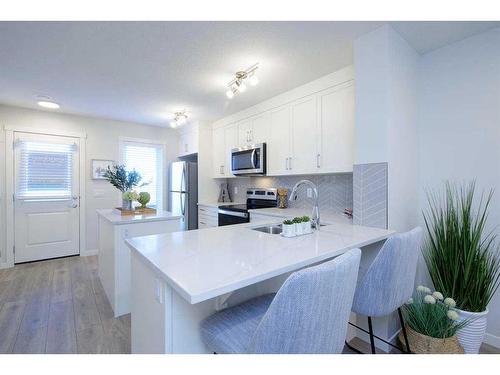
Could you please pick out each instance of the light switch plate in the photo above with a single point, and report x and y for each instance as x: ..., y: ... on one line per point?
x: 309, y: 193
x: 236, y: 190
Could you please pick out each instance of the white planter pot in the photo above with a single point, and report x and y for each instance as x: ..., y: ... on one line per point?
x: 306, y: 227
x: 472, y: 335
x: 298, y: 229
x: 288, y: 230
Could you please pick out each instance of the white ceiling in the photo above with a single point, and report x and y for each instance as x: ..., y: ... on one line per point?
x: 143, y: 72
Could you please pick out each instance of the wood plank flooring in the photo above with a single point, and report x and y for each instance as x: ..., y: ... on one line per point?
x: 58, y: 306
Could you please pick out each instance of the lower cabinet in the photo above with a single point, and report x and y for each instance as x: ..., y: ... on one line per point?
x: 208, y: 217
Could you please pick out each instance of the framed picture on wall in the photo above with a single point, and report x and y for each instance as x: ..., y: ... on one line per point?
x: 99, y: 166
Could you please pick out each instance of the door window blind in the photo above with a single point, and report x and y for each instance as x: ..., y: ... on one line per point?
x: 147, y: 159
x: 44, y: 170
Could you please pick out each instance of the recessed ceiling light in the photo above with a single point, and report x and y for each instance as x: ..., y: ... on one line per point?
x: 46, y: 102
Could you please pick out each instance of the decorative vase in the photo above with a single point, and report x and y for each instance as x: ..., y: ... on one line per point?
x: 471, y: 336
x: 126, y: 205
x: 288, y: 230
x: 422, y: 344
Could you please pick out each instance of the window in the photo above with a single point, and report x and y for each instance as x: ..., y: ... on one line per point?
x: 147, y: 159
x: 44, y: 170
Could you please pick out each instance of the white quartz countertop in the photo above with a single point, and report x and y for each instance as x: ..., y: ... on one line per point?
x: 327, y: 217
x: 217, y: 204
x: 115, y: 218
x: 206, y: 263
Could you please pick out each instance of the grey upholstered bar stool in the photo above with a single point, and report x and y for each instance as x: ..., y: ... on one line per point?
x: 309, y: 314
x: 388, y: 282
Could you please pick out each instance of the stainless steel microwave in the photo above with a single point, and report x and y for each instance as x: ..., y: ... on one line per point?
x: 250, y: 160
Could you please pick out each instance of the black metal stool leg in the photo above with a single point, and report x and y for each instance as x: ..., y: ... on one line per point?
x: 404, y: 330
x: 372, y: 340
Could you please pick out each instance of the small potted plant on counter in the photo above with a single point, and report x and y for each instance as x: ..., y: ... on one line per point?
x: 129, y: 197
x: 306, y: 224
x: 299, y: 229
x: 432, y: 323
x: 288, y: 228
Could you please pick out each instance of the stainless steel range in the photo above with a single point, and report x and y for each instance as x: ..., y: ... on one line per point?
x: 256, y: 198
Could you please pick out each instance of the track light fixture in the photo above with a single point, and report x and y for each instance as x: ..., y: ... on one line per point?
x: 180, y: 118
x: 238, y: 84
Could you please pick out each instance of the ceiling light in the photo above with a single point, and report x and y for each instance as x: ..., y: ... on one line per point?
x: 46, y: 102
x: 238, y: 84
x: 180, y: 118
x: 242, y: 87
x: 253, y: 80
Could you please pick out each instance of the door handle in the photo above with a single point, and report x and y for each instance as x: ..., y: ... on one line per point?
x: 286, y: 164
x: 290, y: 163
x: 318, y: 160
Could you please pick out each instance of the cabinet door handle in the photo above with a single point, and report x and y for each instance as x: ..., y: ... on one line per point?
x: 250, y: 135
x: 290, y: 163
x: 318, y: 160
x: 286, y: 164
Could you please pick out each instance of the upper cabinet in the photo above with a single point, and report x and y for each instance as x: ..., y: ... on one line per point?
x: 188, y: 140
x: 254, y: 130
x: 224, y: 140
x: 336, y: 129
x: 310, y: 135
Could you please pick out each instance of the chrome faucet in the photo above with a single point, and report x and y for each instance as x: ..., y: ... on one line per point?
x: 315, y: 212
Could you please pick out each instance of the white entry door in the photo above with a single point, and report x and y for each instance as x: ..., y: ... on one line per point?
x: 46, y: 200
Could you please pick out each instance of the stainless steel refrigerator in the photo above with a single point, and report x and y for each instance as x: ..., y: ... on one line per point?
x: 183, y: 192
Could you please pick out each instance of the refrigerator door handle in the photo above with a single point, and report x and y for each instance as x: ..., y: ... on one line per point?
x: 183, y: 211
x: 183, y: 178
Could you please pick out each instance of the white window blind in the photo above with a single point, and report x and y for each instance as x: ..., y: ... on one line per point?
x: 44, y: 170
x: 147, y: 159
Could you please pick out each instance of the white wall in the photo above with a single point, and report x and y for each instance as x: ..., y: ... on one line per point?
x: 386, y: 125
x: 102, y: 143
x: 459, y: 125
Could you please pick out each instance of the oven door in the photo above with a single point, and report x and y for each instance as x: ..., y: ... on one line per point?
x: 227, y: 217
x: 249, y: 160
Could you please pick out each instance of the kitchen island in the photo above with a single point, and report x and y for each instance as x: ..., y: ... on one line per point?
x: 114, y: 255
x: 180, y: 278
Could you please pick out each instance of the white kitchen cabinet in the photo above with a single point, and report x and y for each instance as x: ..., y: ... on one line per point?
x: 224, y: 140
x: 254, y: 130
x: 304, y: 133
x: 313, y: 134
x: 244, y: 133
x: 208, y: 217
x: 278, y: 144
x: 230, y: 142
x: 218, y: 152
x: 188, y: 141
x: 336, y: 125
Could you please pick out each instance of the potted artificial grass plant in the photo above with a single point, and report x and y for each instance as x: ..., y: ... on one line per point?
x: 288, y: 228
x: 462, y: 258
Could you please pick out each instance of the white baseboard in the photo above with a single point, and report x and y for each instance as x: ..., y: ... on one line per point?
x: 5, y: 265
x: 492, y: 340
x: 89, y: 252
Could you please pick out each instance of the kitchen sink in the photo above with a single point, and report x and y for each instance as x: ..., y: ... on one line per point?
x: 271, y: 229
